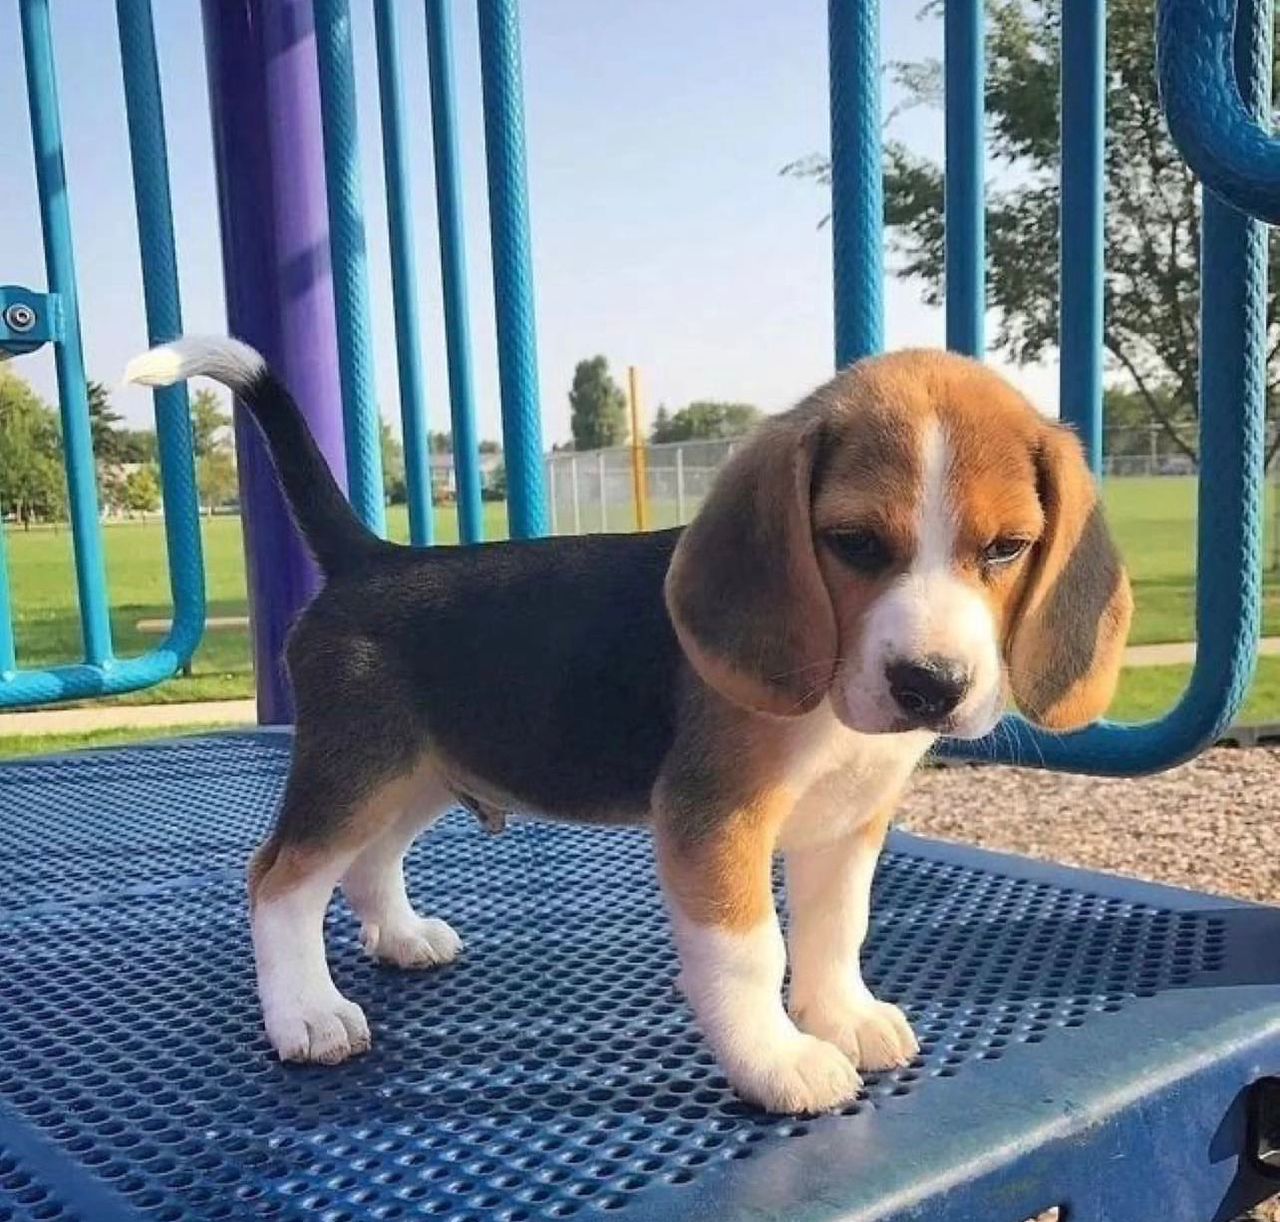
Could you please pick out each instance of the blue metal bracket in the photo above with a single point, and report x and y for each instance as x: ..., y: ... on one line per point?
x: 28, y: 320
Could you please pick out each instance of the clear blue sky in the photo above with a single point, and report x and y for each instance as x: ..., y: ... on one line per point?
x: 662, y: 233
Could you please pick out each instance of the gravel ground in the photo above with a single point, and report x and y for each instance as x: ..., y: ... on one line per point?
x: 1212, y: 825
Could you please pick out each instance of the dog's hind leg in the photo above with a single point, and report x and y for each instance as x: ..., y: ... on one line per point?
x: 391, y: 930
x: 343, y: 795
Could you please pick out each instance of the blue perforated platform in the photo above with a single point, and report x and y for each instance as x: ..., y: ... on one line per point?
x: 1086, y: 1040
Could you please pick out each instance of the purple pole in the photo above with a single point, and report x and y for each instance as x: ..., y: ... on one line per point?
x: 265, y: 102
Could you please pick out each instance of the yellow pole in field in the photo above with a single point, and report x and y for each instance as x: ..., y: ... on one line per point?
x: 638, y: 479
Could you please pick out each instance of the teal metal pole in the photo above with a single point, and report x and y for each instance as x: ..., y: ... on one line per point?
x: 453, y: 271
x: 73, y: 400
x: 362, y: 429
x: 966, y: 281
x: 404, y: 277
x: 512, y: 266
x: 1082, y: 258
x: 857, y: 178
x: 149, y: 160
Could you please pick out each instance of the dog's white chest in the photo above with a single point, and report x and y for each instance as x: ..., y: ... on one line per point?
x: 844, y: 778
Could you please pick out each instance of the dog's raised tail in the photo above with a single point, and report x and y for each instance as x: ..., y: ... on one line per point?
x: 336, y: 537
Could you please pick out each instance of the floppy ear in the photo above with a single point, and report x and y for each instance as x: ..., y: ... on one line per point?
x: 1068, y: 640
x: 744, y: 590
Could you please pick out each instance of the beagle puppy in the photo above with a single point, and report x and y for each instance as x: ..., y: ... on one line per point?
x: 888, y: 562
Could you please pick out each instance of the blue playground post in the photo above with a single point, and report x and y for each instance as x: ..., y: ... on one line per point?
x: 265, y: 103
x: 349, y: 273
x: 857, y: 178
x: 966, y: 219
x: 404, y: 279
x: 453, y: 271
x: 512, y: 266
x: 1082, y: 257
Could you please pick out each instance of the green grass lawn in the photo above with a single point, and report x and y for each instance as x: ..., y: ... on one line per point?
x: 15, y: 746
x: 1154, y: 520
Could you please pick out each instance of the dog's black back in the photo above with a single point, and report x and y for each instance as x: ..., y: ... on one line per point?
x: 546, y: 666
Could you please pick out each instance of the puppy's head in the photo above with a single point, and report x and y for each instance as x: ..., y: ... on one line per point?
x: 913, y: 542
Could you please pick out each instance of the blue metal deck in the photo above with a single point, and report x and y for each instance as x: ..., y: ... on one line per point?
x: 1086, y: 1040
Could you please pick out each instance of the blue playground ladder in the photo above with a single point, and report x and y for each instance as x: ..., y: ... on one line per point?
x: 1106, y: 1047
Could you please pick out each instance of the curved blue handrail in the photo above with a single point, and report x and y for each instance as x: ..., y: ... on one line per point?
x: 1223, y: 138
x: 102, y: 673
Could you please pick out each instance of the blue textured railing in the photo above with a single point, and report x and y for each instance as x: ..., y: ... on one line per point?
x: 361, y: 424
x: 502, y: 85
x: 1082, y: 254
x: 966, y: 279
x: 453, y: 271
x: 404, y: 289
x: 857, y: 178
x: 101, y: 673
x: 512, y: 267
x: 1209, y: 106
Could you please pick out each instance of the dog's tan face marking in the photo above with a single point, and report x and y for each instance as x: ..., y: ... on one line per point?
x: 956, y: 535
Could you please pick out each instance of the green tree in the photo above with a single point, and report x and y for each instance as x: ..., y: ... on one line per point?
x: 495, y: 487
x: 1153, y: 206
x: 136, y: 445
x: 598, y: 408
x: 104, y: 425
x: 704, y: 419
x: 209, y: 423
x: 142, y: 490
x: 32, y: 485
x: 393, y: 470
x: 216, y: 479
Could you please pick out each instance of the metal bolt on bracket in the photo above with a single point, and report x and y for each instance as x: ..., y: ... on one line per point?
x: 20, y: 317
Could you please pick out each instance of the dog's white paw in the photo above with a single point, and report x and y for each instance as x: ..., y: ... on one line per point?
x: 800, y: 1074
x: 423, y: 942
x: 326, y: 1030
x: 873, y: 1034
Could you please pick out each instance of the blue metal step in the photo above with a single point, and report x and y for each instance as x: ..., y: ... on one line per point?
x: 1087, y: 1041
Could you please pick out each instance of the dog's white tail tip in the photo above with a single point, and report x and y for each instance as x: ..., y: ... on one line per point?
x: 228, y: 361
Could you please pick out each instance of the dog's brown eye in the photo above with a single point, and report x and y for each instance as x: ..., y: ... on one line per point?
x: 862, y: 550
x: 1004, y: 550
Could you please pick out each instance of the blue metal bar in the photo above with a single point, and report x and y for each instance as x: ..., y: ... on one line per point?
x: 1229, y: 546
x: 512, y: 265
x: 1084, y: 53
x: 453, y: 271
x: 8, y: 659
x: 149, y: 158
x: 857, y: 178
x: 361, y: 423
x: 55, y: 223
x: 966, y: 281
x: 404, y: 290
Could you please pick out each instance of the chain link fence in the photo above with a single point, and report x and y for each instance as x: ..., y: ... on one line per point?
x: 594, y: 490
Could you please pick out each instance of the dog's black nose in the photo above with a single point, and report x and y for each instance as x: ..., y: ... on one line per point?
x: 929, y: 688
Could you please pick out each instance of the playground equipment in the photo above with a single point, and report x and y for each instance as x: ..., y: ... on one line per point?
x: 1109, y: 1047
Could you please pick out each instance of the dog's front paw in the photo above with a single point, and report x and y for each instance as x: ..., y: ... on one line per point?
x: 424, y: 942
x: 323, y: 1031
x: 873, y: 1034
x: 801, y: 1074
